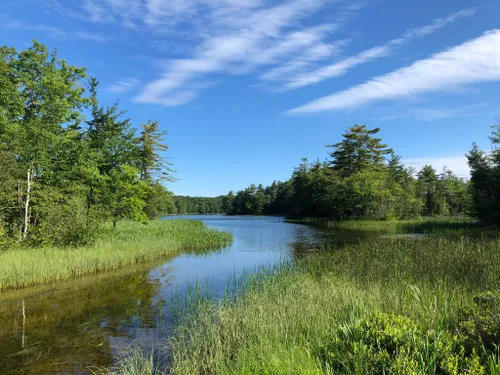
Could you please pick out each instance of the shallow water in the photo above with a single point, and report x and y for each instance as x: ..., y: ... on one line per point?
x: 69, y: 327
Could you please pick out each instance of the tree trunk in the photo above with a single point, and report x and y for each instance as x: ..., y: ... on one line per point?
x: 29, y: 183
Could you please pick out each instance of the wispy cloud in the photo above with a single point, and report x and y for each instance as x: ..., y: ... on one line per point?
x: 457, y: 164
x: 474, y: 61
x: 342, y: 67
x: 432, y: 114
x: 55, y: 32
x: 124, y: 85
x: 264, y: 38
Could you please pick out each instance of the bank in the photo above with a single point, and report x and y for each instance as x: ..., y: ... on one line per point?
x: 130, y: 243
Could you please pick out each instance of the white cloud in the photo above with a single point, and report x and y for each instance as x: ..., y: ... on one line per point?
x: 55, y: 32
x: 474, y: 61
x: 95, y: 12
x: 339, y: 68
x: 342, y: 67
x: 457, y: 164
x: 263, y: 38
x: 124, y: 85
x: 432, y: 114
x: 317, y: 52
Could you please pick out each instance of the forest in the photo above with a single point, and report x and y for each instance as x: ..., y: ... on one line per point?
x: 69, y: 162
x: 362, y: 178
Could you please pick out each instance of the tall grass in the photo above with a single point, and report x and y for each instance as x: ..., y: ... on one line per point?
x: 420, y: 225
x: 128, y: 244
x: 286, y: 319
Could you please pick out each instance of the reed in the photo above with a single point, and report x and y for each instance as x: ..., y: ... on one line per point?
x: 130, y: 243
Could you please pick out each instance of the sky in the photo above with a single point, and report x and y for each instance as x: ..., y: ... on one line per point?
x: 246, y: 88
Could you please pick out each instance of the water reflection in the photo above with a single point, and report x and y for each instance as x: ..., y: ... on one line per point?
x: 68, y: 326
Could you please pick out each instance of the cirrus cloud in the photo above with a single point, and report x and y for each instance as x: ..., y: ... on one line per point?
x: 477, y: 60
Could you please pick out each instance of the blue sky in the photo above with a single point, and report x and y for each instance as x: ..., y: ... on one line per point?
x: 246, y: 88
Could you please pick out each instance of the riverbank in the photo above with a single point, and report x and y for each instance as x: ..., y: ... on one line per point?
x: 398, y: 305
x: 129, y: 244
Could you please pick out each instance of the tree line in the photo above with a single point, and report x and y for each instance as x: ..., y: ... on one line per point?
x: 68, y: 162
x: 363, y: 178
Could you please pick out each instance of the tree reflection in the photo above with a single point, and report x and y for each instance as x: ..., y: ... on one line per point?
x: 66, y: 327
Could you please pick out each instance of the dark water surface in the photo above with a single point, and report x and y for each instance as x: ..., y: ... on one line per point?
x: 68, y: 327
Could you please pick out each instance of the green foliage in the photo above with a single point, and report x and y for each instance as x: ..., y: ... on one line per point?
x: 485, y: 180
x: 197, y: 205
x: 64, y: 221
x: 394, y: 344
x: 358, y: 151
x: 357, y: 183
x: 479, y: 322
x: 63, y: 173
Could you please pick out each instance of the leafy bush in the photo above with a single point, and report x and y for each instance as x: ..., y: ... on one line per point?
x: 68, y: 223
x: 393, y: 344
x: 4, y: 239
x: 480, y: 322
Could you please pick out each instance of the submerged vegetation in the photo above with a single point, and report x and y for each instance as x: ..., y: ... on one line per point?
x: 129, y: 244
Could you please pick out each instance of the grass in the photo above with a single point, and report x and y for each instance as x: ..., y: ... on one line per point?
x: 289, y: 316
x: 421, y: 225
x: 129, y: 244
x: 392, y: 305
x: 399, y: 305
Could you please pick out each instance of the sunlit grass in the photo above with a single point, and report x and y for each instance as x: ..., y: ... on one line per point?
x: 128, y: 244
x: 285, y: 317
x: 281, y: 320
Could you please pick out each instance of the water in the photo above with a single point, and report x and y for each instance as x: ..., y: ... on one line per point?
x: 68, y: 327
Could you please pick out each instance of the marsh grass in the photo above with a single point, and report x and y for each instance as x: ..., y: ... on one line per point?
x: 130, y: 243
x: 420, y: 225
x: 286, y: 317
x: 392, y: 305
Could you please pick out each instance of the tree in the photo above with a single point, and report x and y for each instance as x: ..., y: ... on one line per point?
x: 127, y: 195
x: 48, y: 98
x: 357, y: 151
x: 428, y: 190
x: 227, y: 202
x: 150, y: 145
x: 485, y: 180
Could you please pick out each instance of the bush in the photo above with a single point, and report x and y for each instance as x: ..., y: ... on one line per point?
x: 67, y: 223
x: 393, y: 344
x: 480, y: 322
x: 4, y: 239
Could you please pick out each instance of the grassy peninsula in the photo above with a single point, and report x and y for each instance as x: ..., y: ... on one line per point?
x: 129, y: 243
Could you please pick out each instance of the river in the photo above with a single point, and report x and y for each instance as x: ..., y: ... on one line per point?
x: 68, y: 327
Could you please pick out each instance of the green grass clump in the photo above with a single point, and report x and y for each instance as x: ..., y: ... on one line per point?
x: 420, y: 225
x: 386, y: 306
x: 130, y: 243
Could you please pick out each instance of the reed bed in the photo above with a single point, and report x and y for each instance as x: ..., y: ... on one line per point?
x: 130, y: 243
x: 299, y: 319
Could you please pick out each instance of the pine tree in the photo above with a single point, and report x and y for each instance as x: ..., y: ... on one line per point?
x: 151, y: 162
x: 357, y: 151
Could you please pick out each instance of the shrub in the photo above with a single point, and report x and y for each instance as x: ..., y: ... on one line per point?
x: 67, y: 223
x: 479, y: 322
x: 393, y: 344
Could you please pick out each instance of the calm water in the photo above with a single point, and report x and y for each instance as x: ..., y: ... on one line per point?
x: 66, y: 327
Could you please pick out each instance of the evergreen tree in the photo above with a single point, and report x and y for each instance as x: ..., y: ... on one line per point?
x: 485, y: 180
x: 357, y: 151
x: 428, y: 190
x: 151, y: 162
